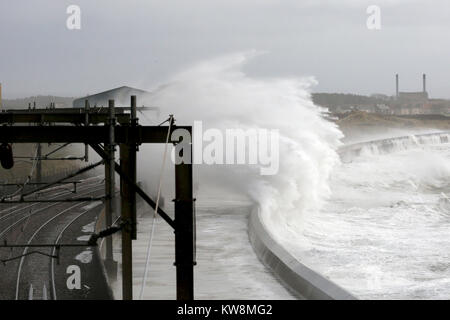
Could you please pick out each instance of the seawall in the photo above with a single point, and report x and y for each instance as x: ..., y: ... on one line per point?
x: 303, y: 281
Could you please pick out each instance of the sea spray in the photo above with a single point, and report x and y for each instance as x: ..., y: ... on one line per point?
x: 384, y: 233
x: 220, y: 95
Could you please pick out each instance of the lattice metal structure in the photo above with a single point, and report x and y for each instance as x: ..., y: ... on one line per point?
x: 103, y: 129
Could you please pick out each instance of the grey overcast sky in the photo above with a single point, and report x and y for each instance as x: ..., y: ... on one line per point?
x: 142, y: 42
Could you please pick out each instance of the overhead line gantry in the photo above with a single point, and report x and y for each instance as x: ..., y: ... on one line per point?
x: 120, y: 127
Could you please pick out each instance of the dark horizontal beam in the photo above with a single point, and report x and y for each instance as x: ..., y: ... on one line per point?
x: 84, y: 199
x: 45, y: 158
x: 81, y: 134
x: 52, y: 245
x: 66, y: 115
x: 36, y: 183
x: 64, y: 110
x: 92, y: 110
x: 75, y: 118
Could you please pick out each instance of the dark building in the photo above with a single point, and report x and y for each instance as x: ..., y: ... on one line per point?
x: 419, y: 96
x: 410, y: 102
x: 121, y: 96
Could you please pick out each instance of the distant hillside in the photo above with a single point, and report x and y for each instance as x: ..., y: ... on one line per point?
x: 343, y: 99
x: 364, y: 120
x: 41, y: 102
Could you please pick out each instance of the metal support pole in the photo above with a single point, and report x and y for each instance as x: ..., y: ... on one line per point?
x: 39, y: 164
x: 133, y: 165
x: 128, y: 206
x: 110, y: 180
x: 86, y: 123
x: 184, y: 231
x: 126, y: 193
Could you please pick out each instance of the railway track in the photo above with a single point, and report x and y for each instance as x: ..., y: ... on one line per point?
x: 30, y: 274
x: 17, y: 209
x: 21, y: 216
x: 52, y: 262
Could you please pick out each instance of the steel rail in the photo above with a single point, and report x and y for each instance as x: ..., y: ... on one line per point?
x: 52, y: 267
x: 11, y: 226
x: 6, y: 216
x: 19, y: 270
x: 46, y: 190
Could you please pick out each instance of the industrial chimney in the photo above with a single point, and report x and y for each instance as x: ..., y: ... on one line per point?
x: 396, y: 85
x: 424, y: 83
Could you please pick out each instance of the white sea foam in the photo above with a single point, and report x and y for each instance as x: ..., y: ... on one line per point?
x: 383, y: 226
x: 385, y: 232
x: 221, y: 95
